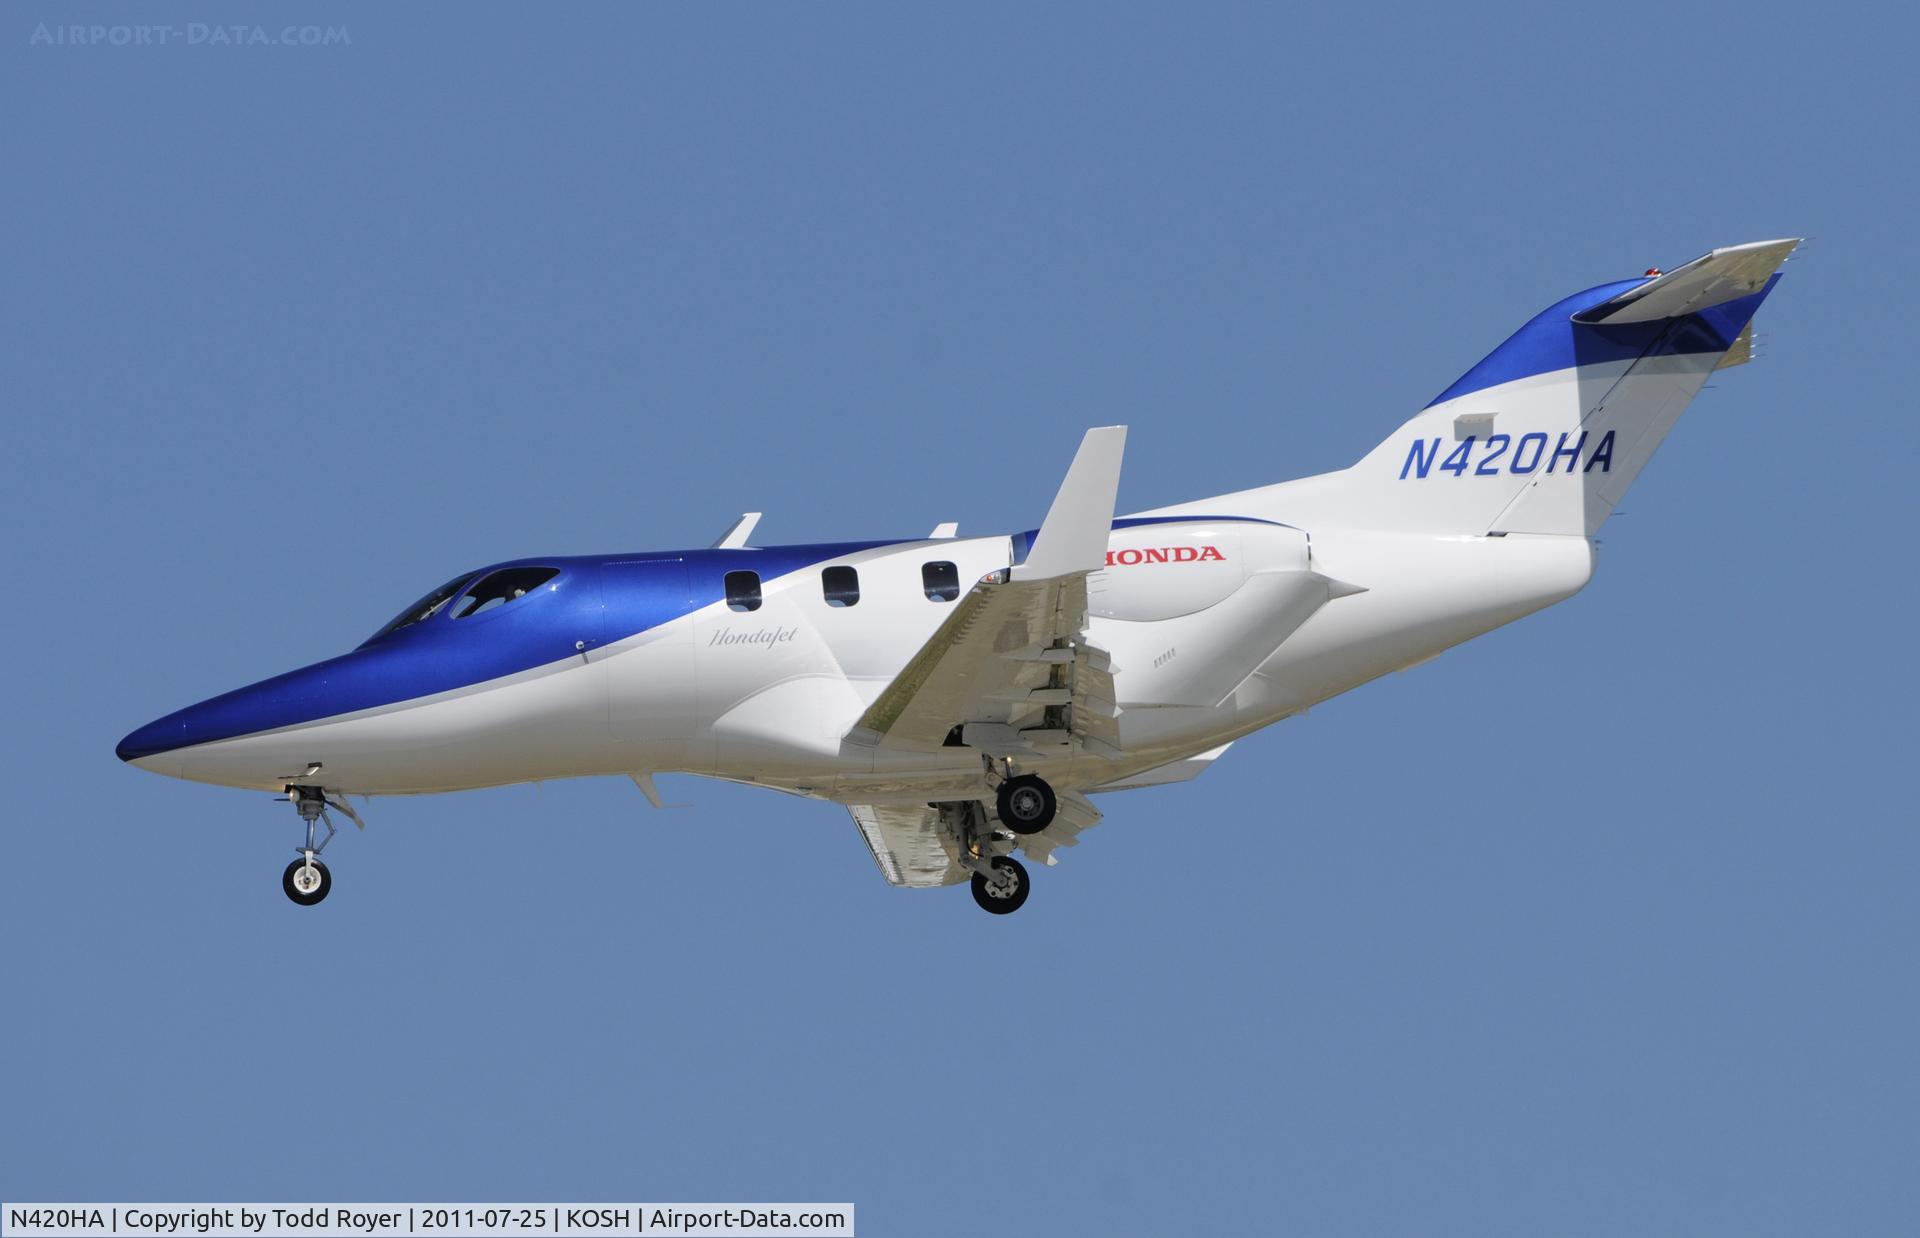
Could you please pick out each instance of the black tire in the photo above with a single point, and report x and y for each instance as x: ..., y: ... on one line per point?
x: 1026, y: 804
x: 306, y: 898
x: 1003, y: 905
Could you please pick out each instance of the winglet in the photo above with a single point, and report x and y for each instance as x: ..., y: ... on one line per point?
x: 736, y: 537
x: 1073, y: 538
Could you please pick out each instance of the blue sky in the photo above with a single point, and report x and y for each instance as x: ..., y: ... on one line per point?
x: 1604, y: 923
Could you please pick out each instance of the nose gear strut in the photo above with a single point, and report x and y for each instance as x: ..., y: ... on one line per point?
x: 307, y: 880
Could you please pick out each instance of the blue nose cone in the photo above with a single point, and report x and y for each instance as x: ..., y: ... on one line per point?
x: 339, y: 685
x: 162, y: 735
x: 297, y: 696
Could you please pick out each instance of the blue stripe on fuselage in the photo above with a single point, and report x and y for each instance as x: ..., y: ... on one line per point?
x: 595, y: 601
x: 1552, y: 341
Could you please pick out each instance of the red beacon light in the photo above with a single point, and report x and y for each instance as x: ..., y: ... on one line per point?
x: 1652, y: 271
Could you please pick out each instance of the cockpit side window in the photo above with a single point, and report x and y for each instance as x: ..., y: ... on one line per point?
x: 496, y: 589
x: 426, y: 607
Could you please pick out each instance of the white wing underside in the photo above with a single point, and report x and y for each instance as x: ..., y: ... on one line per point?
x: 912, y: 849
x: 906, y: 843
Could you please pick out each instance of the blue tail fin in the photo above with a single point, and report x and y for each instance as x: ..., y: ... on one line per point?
x: 1548, y: 431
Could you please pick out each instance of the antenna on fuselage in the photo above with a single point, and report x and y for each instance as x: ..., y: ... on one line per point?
x: 736, y: 537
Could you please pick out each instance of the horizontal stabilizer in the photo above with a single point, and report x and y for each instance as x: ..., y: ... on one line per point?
x: 1174, y: 771
x: 1721, y: 276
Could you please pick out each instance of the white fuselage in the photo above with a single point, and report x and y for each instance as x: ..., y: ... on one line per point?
x: 1209, y: 634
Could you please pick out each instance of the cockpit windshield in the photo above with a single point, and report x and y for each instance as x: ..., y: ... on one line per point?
x: 426, y: 607
x: 477, y: 593
x: 498, y: 588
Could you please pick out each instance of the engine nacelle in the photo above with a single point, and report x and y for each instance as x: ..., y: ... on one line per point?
x: 1190, y: 607
x: 1165, y: 570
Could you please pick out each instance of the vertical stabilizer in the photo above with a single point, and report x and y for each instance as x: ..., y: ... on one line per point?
x: 1546, y: 434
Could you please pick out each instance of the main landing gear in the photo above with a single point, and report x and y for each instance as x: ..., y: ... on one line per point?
x: 307, y: 880
x: 1026, y: 804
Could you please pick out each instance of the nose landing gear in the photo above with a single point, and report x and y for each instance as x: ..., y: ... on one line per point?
x: 1004, y: 891
x: 306, y: 880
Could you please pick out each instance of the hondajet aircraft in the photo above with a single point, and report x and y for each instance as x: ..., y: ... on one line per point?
x: 965, y: 697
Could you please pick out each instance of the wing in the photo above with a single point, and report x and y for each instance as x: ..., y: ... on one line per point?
x: 1011, y: 671
x: 1076, y: 813
x: 913, y: 847
x: 907, y: 844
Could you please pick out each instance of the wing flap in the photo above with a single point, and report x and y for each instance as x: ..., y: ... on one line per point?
x: 976, y: 667
x: 1075, y: 813
x: 907, y: 845
x: 1009, y: 654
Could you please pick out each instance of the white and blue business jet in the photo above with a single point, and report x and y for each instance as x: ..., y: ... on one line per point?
x: 964, y: 697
